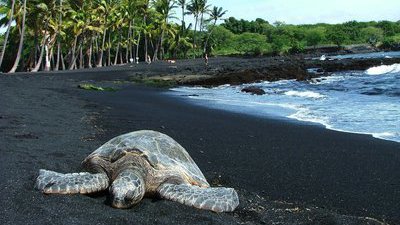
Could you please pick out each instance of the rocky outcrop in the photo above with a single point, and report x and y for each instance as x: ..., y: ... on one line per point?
x: 254, y: 90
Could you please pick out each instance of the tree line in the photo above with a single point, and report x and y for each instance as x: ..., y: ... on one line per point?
x: 72, y: 34
x: 260, y: 37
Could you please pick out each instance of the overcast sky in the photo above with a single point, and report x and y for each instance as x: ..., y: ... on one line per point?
x: 311, y: 11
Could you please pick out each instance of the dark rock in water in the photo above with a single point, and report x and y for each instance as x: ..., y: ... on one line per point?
x: 254, y: 90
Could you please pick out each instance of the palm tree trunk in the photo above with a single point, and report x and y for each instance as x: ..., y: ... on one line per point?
x: 194, y: 37
x: 130, y: 40
x: 52, y: 60
x: 201, y: 22
x: 37, y: 46
x: 97, y: 48
x: 59, y: 41
x: 109, y: 50
x: 73, y: 58
x: 7, y: 32
x: 137, y: 48
x: 47, y: 64
x: 116, y: 53
x: 90, y: 53
x: 161, y: 46
x: 58, y: 58
x: 145, y: 41
x: 62, y: 61
x: 208, y: 37
x: 155, y: 56
x: 21, y: 41
x: 81, y: 60
x: 183, y: 18
x: 127, y: 52
x: 100, y: 62
x: 152, y: 45
x: 127, y: 46
x: 39, y: 62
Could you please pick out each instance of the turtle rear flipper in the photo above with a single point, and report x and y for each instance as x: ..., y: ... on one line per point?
x: 51, y: 182
x: 215, y: 199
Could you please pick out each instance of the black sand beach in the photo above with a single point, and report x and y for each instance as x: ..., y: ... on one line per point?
x: 285, y: 173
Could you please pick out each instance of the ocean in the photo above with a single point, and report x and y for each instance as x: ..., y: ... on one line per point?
x: 366, y: 102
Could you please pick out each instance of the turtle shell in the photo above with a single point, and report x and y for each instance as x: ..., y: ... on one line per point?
x: 162, y: 152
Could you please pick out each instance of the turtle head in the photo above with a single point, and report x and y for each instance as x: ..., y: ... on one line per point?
x: 127, y: 189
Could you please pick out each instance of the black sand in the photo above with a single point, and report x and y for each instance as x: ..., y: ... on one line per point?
x: 284, y: 172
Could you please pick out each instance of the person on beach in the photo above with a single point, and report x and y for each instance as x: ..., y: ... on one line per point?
x: 206, y: 59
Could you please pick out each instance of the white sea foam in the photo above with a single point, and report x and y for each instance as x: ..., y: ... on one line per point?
x: 306, y: 115
x: 378, y: 70
x: 304, y: 94
x: 384, y: 135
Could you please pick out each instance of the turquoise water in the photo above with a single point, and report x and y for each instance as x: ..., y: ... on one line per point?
x: 354, y: 101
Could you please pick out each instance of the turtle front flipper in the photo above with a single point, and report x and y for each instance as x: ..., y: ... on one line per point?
x: 218, y: 199
x: 51, y: 182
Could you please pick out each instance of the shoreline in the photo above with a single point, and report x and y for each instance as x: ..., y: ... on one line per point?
x: 284, y: 172
x: 290, y: 118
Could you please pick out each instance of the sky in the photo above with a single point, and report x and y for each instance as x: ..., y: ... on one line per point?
x: 311, y: 11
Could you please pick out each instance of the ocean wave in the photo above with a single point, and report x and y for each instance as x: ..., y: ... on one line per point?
x: 385, y: 135
x: 384, y: 69
x: 305, y: 94
x: 305, y: 114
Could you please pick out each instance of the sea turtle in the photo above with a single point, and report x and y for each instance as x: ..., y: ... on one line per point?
x: 138, y: 164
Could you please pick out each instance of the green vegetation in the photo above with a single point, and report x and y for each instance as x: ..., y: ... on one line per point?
x: 73, y: 34
x: 392, y: 42
x: 91, y: 87
x: 281, y: 38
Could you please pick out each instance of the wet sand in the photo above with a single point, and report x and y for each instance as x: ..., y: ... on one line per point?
x: 292, y: 173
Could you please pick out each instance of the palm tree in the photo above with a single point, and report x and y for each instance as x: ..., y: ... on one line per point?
x: 43, y: 13
x: 215, y: 14
x: 10, y: 20
x: 129, y: 11
x: 203, y: 8
x: 182, y: 4
x: 180, y: 41
x: 106, y: 7
x: 59, y: 54
x: 21, y: 40
x: 145, y: 10
x: 194, y: 9
x: 165, y: 12
x: 76, y: 22
x: 98, y: 28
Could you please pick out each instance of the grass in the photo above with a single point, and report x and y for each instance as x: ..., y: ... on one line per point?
x: 91, y: 87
